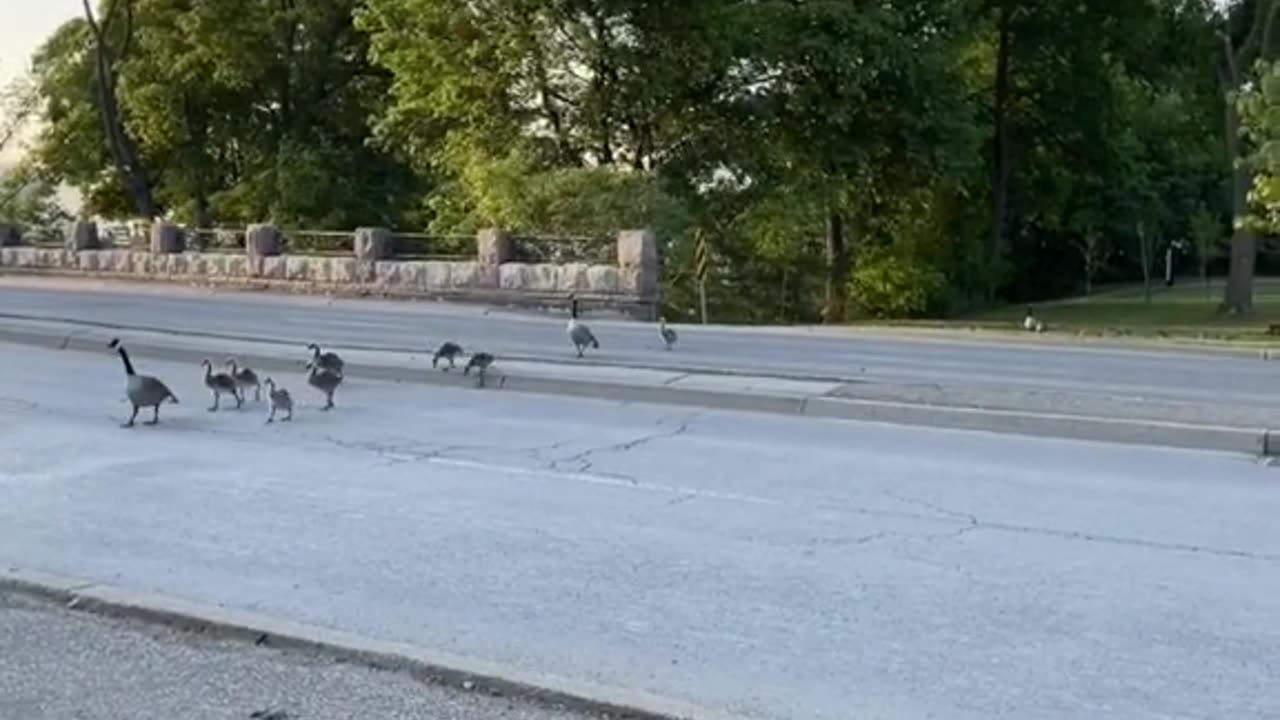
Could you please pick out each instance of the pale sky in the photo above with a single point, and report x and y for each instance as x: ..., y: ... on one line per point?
x: 24, y: 25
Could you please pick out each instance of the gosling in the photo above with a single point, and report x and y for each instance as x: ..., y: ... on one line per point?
x: 220, y: 383
x: 245, y: 379
x: 280, y: 402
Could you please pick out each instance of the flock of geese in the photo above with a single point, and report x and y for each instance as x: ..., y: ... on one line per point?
x: 324, y: 373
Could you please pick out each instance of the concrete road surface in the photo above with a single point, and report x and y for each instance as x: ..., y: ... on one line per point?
x: 768, y: 567
x: 1142, y: 376
x: 59, y: 664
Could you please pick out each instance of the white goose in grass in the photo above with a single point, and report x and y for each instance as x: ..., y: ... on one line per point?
x: 141, y: 390
x: 580, y: 335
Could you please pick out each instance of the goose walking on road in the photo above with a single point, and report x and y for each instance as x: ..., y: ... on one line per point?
x: 219, y: 384
x: 325, y: 361
x: 580, y: 335
x: 141, y: 390
x: 280, y: 402
x: 669, y: 336
x: 448, y: 351
x: 245, y: 379
x: 326, y: 381
x: 480, y: 362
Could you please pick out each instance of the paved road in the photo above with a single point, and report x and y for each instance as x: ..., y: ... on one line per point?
x: 58, y: 664
x: 775, y: 568
x: 413, y: 326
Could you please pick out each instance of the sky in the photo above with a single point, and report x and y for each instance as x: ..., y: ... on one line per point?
x: 24, y: 24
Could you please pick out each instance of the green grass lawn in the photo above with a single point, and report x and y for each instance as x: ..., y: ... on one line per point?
x: 1185, y: 311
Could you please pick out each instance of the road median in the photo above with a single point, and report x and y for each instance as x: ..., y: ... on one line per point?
x: 817, y: 398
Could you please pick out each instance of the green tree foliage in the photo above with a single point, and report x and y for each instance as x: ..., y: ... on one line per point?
x: 889, y: 158
x: 241, y: 110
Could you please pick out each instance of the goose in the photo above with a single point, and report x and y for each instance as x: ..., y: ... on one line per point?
x: 142, y: 390
x: 326, y: 361
x: 219, y: 383
x: 481, y: 362
x: 579, y: 334
x: 1031, y: 323
x: 668, y: 335
x: 280, y: 402
x: 448, y: 351
x: 326, y: 381
x: 245, y: 379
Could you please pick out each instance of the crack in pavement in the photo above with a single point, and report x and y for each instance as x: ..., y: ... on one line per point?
x: 585, y: 459
x: 973, y: 523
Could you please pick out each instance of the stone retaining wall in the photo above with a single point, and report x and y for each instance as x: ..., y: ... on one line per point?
x: 630, y: 286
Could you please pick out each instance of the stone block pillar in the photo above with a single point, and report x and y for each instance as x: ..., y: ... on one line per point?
x: 167, y: 239
x: 638, y: 259
x: 263, y: 240
x: 82, y: 235
x: 373, y: 243
x: 494, y: 247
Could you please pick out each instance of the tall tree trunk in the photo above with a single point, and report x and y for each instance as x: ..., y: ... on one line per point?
x: 838, y: 267
x: 1238, y: 297
x: 1001, y: 172
x: 1235, y: 63
x: 124, y: 149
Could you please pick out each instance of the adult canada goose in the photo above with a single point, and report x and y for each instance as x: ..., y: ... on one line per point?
x: 1031, y: 323
x: 245, y: 379
x: 142, y: 390
x: 326, y: 381
x: 579, y: 334
x: 668, y: 335
x: 448, y: 351
x: 219, y: 383
x: 280, y: 402
x: 481, y: 362
x: 325, y: 361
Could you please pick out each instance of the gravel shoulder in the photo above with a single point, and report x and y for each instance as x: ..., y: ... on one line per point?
x: 59, y: 664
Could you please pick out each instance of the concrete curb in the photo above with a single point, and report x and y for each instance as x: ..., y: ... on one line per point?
x: 1237, y: 440
x: 260, y: 630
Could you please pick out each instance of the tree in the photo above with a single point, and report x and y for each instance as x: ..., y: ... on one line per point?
x: 26, y: 198
x: 1247, y: 36
x: 110, y: 46
x: 239, y: 110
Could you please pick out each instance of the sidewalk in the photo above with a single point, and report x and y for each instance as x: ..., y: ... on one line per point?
x: 60, y: 664
x: 1085, y: 414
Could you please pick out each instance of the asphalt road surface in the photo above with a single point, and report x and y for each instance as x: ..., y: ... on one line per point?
x: 368, y: 324
x: 769, y: 567
x: 58, y: 664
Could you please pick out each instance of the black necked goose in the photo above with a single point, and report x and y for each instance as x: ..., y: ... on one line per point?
x: 580, y: 335
x: 480, y: 362
x: 324, y: 380
x: 142, y: 390
x: 669, y: 336
x: 448, y: 351
x: 325, y: 360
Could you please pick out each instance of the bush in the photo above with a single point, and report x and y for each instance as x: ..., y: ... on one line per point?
x: 885, y: 285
